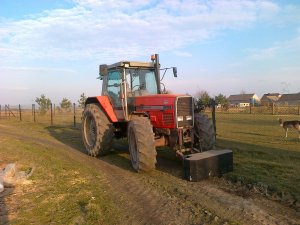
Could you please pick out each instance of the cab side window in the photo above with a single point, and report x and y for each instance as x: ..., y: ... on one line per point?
x: 113, y: 86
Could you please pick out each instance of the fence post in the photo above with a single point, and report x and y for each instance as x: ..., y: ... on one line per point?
x: 213, y: 114
x: 74, y: 114
x: 0, y: 111
x: 273, y: 108
x: 8, y: 111
x: 33, y: 109
x: 20, y: 112
x: 299, y: 108
x: 54, y: 110
x: 5, y: 111
x: 51, y: 114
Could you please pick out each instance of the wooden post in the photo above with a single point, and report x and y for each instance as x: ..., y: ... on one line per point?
x: 20, y: 112
x: 250, y: 106
x: 74, y: 114
x: 33, y: 108
x: 54, y: 110
x: 51, y: 114
x: 213, y: 112
x: 0, y: 111
x: 5, y: 110
x: 299, y: 108
x: 273, y: 108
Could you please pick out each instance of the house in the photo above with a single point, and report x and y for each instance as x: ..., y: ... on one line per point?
x: 289, y: 99
x: 243, y: 100
x: 269, y: 99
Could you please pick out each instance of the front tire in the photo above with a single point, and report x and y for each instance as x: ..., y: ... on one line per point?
x: 97, y: 131
x: 141, y: 144
x: 204, y: 133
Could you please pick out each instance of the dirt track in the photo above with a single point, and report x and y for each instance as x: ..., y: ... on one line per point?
x: 162, y: 197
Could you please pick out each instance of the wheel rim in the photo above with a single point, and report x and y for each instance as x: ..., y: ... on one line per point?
x: 133, y: 149
x: 90, y: 131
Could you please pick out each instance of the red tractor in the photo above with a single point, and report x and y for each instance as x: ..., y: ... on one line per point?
x: 133, y: 105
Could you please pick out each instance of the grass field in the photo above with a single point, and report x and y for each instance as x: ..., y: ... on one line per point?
x: 68, y: 193
x: 62, y: 191
x: 261, y: 154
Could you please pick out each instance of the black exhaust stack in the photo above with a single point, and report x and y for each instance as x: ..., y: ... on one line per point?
x: 157, y: 73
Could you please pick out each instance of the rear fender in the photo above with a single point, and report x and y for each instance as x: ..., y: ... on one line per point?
x: 106, y: 106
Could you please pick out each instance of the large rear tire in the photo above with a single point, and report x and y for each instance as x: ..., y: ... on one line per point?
x: 204, y: 133
x: 141, y: 144
x: 97, y: 131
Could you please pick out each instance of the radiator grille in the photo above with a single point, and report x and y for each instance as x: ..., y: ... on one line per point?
x: 185, y: 108
x: 168, y: 119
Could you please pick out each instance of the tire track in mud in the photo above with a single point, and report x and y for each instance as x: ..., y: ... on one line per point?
x: 142, y: 203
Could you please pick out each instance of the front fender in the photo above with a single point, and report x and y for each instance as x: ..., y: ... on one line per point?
x: 106, y: 106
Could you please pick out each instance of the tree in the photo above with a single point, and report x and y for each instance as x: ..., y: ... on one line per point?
x: 82, y: 100
x: 66, y: 104
x: 203, y: 100
x: 221, y: 99
x: 44, y: 103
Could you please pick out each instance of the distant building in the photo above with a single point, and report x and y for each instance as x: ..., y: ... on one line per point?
x: 289, y: 99
x: 269, y: 99
x: 243, y: 100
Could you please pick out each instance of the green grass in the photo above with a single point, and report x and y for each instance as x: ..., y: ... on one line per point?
x: 63, y: 190
x: 261, y: 154
x: 66, y: 192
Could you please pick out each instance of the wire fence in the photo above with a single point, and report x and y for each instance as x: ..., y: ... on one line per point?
x: 72, y: 116
x: 264, y: 110
x: 54, y: 116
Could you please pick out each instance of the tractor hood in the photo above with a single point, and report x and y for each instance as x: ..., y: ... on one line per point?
x: 164, y: 109
x: 157, y: 100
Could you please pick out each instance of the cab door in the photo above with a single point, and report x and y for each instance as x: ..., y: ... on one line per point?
x: 112, y: 88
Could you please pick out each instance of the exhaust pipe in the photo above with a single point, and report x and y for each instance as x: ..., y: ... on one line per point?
x: 157, y: 73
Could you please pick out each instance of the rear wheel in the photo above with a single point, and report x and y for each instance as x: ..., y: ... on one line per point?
x: 204, y: 133
x: 97, y: 131
x: 141, y: 144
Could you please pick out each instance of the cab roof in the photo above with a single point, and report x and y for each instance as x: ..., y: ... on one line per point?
x: 131, y: 64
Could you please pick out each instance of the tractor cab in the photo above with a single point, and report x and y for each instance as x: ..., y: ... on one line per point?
x: 123, y: 81
x: 139, y: 81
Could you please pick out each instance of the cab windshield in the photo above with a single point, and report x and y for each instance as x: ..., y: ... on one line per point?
x: 141, y: 81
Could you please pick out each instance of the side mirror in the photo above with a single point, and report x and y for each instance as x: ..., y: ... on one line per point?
x: 175, y: 71
x: 103, y: 70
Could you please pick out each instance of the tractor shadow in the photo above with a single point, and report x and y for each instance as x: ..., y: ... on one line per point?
x: 71, y: 136
x: 68, y: 135
x: 167, y: 162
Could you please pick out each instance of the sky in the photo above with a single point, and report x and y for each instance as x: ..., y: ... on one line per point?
x: 55, y: 47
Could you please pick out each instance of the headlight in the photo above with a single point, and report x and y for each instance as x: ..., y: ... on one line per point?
x: 179, y: 118
x: 188, y: 117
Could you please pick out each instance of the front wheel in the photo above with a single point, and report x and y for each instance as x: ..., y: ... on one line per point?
x: 97, y: 131
x: 141, y: 144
